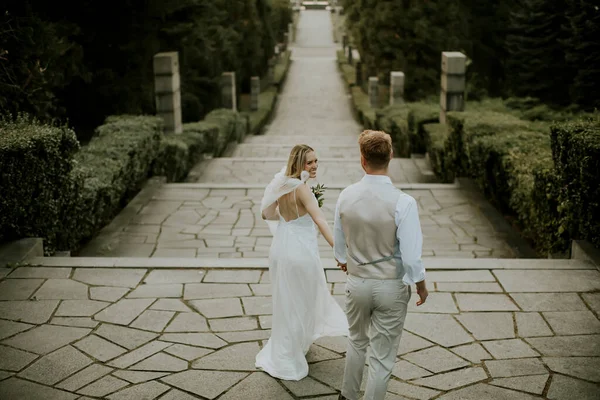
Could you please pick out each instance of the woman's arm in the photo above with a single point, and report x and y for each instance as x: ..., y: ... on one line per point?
x: 271, y: 213
x: 312, y: 206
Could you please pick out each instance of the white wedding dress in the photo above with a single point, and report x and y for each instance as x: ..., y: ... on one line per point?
x: 303, y: 308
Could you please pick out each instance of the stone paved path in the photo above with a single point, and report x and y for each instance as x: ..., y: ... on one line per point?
x: 140, y: 333
x: 217, y: 214
x: 186, y: 319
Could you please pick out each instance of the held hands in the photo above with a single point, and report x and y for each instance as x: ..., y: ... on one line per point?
x: 422, y: 292
x: 342, y: 267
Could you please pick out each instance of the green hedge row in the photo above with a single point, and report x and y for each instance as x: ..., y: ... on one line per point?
x: 36, y: 162
x: 53, y: 189
x: 282, y: 68
x: 576, y: 155
x: 552, y: 190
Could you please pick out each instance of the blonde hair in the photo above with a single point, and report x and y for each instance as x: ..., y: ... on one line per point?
x: 376, y: 148
x: 297, y: 160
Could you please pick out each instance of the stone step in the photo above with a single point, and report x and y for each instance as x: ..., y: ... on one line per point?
x: 223, y: 221
x: 261, y: 170
x: 251, y: 150
x: 314, y: 141
x: 431, y: 263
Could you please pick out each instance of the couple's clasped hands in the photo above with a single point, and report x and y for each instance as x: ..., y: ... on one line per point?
x: 421, y: 288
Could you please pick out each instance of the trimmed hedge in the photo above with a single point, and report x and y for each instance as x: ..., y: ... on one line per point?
x: 576, y: 154
x: 65, y: 196
x: 366, y: 115
x: 266, y: 105
x: 281, y: 68
x: 179, y: 153
x: 232, y: 127
x: 419, y: 115
x: 111, y: 170
x: 36, y: 161
x: 435, y: 137
x: 394, y: 121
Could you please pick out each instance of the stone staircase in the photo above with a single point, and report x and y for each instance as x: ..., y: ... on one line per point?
x: 172, y: 299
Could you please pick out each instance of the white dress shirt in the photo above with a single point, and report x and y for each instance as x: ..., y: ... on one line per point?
x: 408, y: 235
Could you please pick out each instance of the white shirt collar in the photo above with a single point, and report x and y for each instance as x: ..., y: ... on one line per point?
x: 376, y: 179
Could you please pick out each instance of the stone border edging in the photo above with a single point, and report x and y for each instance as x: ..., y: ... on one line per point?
x: 431, y: 263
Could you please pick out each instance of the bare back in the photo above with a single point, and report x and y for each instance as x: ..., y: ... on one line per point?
x: 291, y: 207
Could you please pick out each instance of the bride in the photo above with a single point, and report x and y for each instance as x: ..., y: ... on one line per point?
x: 303, y: 308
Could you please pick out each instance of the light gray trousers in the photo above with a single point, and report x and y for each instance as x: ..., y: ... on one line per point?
x: 376, y: 310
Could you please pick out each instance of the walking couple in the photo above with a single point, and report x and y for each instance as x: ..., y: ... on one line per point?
x: 377, y: 241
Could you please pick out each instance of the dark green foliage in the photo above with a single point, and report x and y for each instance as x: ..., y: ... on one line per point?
x: 421, y: 113
x: 408, y: 36
x: 362, y: 108
x: 86, y: 60
x: 266, y: 105
x: 179, y: 153
x: 576, y: 154
x: 435, y: 136
x: 394, y: 121
x: 112, y: 169
x: 36, y: 161
x: 65, y: 196
x: 536, y: 64
x: 583, y: 51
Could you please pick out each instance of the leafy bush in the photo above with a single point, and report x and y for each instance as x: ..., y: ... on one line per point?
x: 394, y: 121
x: 360, y: 101
x: 36, y: 161
x: 179, y: 153
x: 232, y: 127
x: 266, y: 105
x: 421, y: 113
x: 111, y: 170
x: 435, y: 136
x: 576, y: 154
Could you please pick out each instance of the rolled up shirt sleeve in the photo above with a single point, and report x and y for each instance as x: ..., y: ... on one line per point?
x: 339, y: 239
x: 410, y: 239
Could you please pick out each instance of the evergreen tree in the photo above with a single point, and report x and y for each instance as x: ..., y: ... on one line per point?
x: 583, y: 51
x: 537, y: 66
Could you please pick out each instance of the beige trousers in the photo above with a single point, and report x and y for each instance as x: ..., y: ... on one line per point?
x: 376, y: 310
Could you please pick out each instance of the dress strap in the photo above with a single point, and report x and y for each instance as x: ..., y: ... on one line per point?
x: 296, y: 203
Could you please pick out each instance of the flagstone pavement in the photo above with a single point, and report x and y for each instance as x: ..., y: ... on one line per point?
x: 512, y: 331
x: 185, y: 309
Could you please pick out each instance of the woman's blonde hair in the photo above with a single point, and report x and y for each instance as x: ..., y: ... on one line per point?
x: 297, y: 160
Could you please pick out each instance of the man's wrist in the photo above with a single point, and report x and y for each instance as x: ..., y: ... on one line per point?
x: 421, y: 285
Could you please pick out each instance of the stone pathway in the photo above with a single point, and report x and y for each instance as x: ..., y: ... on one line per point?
x: 140, y: 333
x: 217, y: 214
x: 182, y: 315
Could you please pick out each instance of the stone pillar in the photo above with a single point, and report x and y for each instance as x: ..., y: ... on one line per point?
x: 396, y: 87
x: 452, y: 94
x: 286, y: 40
x: 254, y: 92
x: 374, y: 92
x: 350, y: 54
x: 291, y: 32
x: 358, y: 77
x: 167, y: 91
x: 344, y: 41
x: 228, y: 92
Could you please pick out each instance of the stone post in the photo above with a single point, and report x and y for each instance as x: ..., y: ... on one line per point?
x: 374, y: 91
x: 228, y: 92
x: 452, y: 94
x: 254, y: 92
x: 358, y: 77
x: 350, y: 54
x: 291, y: 32
x: 344, y: 41
x: 396, y: 87
x: 167, y: 91
x: 286, y: 40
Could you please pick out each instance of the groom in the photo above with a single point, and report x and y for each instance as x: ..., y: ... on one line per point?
x: 377, y: 227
